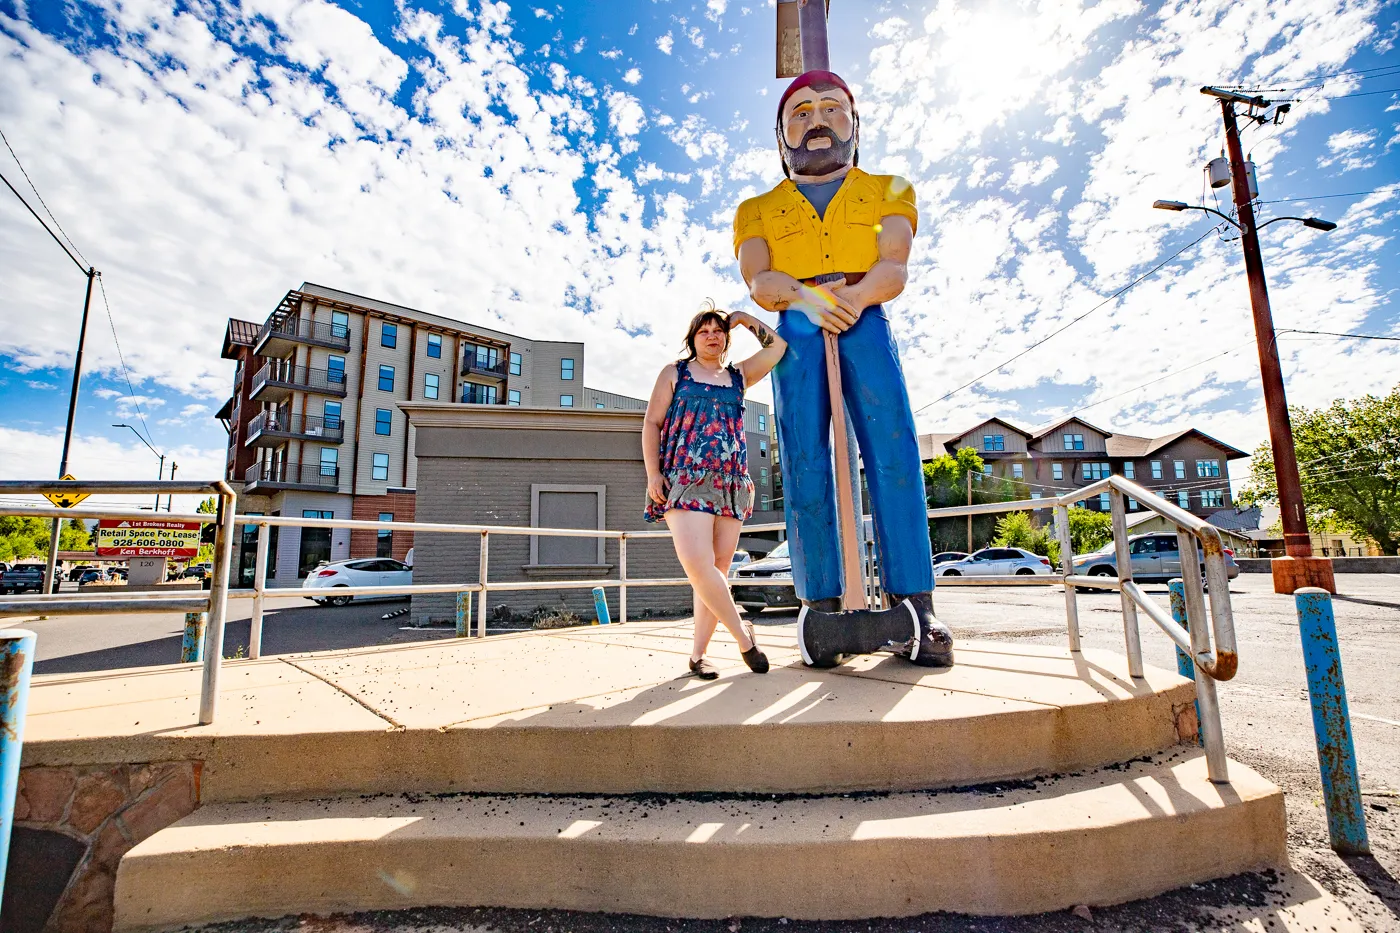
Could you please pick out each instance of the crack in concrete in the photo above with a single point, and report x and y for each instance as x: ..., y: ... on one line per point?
x: 398, y: 726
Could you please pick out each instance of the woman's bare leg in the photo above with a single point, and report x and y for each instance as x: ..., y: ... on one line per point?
x: 693, y: 534
x: 726, y: 539
x: 705, y: 622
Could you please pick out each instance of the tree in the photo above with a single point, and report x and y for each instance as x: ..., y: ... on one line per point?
x: 1015, y: 529
x: 22, y: 538
x: 1089, y: 531
x: 1349, y: 465
x: 945, y: 484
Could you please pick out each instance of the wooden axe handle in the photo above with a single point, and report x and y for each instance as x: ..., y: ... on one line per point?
x: 853, y: 596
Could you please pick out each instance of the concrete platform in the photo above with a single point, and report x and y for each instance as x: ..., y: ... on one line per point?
x: 1102, y: 837
x: 610, y: 710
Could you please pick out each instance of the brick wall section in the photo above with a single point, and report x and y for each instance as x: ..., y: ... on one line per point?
x: 107, y: 809
x: 368, y: 508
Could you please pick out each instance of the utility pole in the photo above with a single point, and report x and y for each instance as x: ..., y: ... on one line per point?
x: 50, y: 581
x: 1299, y: 568
x: 170, y: 498
x: 969, y: 518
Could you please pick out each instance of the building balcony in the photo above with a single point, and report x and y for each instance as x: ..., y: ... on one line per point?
x: 266, y: 477
x: 272, y: 429
x: 471, y: 366
x: 278, y: 336
x: 278, y: 379
x: 482, y: 395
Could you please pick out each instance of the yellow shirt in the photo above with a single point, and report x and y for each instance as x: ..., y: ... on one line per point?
x: 804, y: 245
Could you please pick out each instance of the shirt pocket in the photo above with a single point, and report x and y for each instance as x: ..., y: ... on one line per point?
x: 860, y: 210
x: 783, y: 222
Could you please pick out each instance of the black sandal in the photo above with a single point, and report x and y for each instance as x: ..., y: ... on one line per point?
x: 754, y: 657
x: 704, y: 669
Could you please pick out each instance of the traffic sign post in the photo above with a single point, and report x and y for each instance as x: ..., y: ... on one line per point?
x: 66, y: 500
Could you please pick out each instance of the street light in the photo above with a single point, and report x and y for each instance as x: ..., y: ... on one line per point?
x: 1316, y: 223
x: 161, y: 473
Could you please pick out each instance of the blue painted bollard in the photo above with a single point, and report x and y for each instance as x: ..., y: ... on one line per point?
x: 1336, y: 754
x: 16, y: 664
x: 464, y: 614
x: 192, y: 648
x: 1184, y: 665
x: 600, y: 603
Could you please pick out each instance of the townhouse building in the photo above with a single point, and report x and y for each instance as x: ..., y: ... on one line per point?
x: 314, y: 424
x: 1188, y: 468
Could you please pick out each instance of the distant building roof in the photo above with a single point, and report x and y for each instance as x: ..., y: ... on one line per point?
x: 932, y: 446
x: 1236, y: 519
x: 1059, y: 424
x: 1117, y: 445
x: 239, y: 334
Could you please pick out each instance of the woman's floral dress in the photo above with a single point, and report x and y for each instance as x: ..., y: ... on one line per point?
x: 703, y: 454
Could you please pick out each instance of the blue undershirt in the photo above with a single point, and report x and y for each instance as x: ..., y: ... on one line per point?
x: 820, y: 195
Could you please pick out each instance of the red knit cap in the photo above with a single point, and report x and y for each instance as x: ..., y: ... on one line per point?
x: 807, y: 80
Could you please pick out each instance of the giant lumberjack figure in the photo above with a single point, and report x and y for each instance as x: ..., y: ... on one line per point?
x: 824, y: 249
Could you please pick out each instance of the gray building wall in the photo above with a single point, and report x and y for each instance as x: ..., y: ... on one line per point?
x: 477, y: 464
x: 292, y: 504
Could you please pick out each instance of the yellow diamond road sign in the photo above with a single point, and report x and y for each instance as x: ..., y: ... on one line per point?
x: 66, y: 500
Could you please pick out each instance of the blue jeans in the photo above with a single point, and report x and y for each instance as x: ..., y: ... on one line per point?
x: 878, y: 401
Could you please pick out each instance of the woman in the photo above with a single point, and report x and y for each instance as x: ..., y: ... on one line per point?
x: 698, y: 469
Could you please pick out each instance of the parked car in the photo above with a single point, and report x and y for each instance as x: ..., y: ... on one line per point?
x: 76, y: 573
x: 942, y: 557
x: 362, y: 571
x: 767, y: 583
x: 22, y: 578
x: 995, y: 562
x: 91, y: 575
x: 1156, y: 558
x: 739, y: 559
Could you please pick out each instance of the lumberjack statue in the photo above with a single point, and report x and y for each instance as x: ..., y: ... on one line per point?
x: 824, y: 249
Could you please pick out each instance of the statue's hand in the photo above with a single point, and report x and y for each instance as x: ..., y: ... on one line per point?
x: 826, y: 308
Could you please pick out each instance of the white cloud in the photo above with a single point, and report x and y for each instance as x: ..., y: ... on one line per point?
x: 611, y: 54
x: 633, y: 76
x: 1349, y: 148
x: 626, y: 117
x: 1028, y: 173
x: 714, y: 9
x: 666, y: 43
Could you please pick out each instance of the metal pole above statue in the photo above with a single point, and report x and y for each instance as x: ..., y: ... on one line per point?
x: 825, y: 249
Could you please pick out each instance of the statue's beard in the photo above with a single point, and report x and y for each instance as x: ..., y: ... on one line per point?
x: 815, y: 162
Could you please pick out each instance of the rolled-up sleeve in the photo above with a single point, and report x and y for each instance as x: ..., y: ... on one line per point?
x: 748, y: 223
x: 899, y: 199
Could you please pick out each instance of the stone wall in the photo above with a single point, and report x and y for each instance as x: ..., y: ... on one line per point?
x: 72, y: 826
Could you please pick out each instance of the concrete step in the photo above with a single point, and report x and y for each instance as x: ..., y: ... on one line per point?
x: 1101, y: 837
x: 609, y: 710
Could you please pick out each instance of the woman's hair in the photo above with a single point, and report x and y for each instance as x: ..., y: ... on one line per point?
x: 708, y: 312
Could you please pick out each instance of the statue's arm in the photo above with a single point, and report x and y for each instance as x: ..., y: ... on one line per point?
x: 778, y: 291
x: 887, y: 278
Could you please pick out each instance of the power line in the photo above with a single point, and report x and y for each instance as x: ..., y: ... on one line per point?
x: 61, y: 244
x: 125, y: 372
x: 41, y: 199
x: 1177, y: 372
x: 1146, y: 275
x: 1364, y: 73
x: 1361, y: 94
x: 1323, y: 197
x: 1328, y: 333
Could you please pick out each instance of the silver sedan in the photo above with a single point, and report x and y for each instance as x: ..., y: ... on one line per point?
x: 995, y: 562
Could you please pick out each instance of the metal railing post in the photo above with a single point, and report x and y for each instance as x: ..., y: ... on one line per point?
x: 16, y: 665
x: 192, y: 645
x: 255, y: 626
x: 464, y: 613
x: 218, y: 606
x: 481, y: 577
x: 1207, y: 704
x: 622, y: 578
x: 1336, y: 753
x: 1184, y: 665
x: 1067, y: 568
x: 1131, y: 638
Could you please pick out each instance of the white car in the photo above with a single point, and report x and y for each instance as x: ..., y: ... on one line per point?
x: 995, y: 562
x: 362, y: 571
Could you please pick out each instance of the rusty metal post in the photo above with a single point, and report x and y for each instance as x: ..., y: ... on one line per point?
x: 811, y: 25
x: 1066, y: 570
x: 481, y: 578
x: 464, y: 614
x: 1132, y: 639
x: 16, y: 664
x: 255, y: 625
x: 1336, y: 754
x: 1184, y: 665
x: 192, y: 646
x: 218, y: 604
x: 622, y: 578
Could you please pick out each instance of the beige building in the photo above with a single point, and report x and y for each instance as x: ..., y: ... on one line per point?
x: 1189, y: 468
x: 315, y: 428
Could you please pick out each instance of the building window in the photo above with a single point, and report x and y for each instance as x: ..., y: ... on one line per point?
x: 330, y: 415
x: 1207, y: 467
x: 335, y: 370
x: 560, y: 506
x: 1128, y: 472
x: 388, y: 335
x: 512, y: 396
x: 1035, y: 495
x: 763, y: 448
x: 763, y: 475
x: 340, y: 324
x: 330, y: 461
x: 381, y: 467
x: 435, y: 346
x: 763, y: 501
x: 1057, y: 470
x: 486, y: 357
x: 430, y: 385
x: 1183, y: 499
x: 566, y: 401
x: 479, y: 394
x: 986, y: 469
x: 1213, y: 498
x: 1156, y: 469
x: 762, y: 424
x: 599, y: 405
x: 1104, y: 504
x: 1180, y: 467
x: 993, y: 442
x: 1132, y: 504
x: 386, y: 378
x: 1018, y: 471
x: 1095, y: 470
x: 1074, y: 442
x: 566, y: 368
x: 314, y: 549
x: 383, y: 421
x: 515, y: 362
x: 384, y: 537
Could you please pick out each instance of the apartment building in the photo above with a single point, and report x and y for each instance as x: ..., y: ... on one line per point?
x: 1188, y: 468
x: 315, y: 428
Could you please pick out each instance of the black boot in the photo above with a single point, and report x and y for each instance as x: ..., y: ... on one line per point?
x: 934, y: 646
x: 829, y: 604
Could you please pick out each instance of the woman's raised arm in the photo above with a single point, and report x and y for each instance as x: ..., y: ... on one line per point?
x: 771, y: 347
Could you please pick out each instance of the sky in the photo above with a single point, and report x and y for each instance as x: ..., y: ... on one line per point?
x: 570, y: 171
